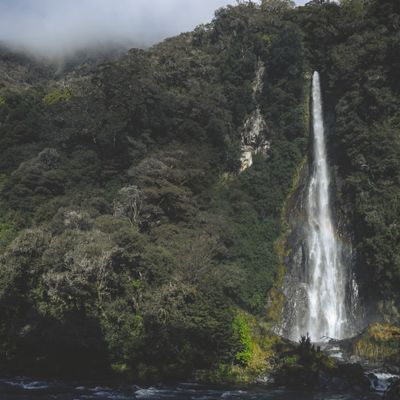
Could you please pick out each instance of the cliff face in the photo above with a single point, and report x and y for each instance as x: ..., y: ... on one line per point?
x: 294, y: 288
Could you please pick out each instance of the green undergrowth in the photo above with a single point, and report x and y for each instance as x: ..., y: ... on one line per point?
x: 242, y: 332
x: 253, y: 359
x: 7, y: 234
x: 303, y: 365
x: 57, y: 96
x: 379, y: 343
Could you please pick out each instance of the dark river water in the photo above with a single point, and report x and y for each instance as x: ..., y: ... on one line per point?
x: 24, y: 389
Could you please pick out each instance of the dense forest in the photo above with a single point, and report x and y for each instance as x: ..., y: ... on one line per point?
x: 130, y: 239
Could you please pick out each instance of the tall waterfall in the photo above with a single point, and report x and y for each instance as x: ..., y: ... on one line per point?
x: 320, y: 287
x: 327, y: 279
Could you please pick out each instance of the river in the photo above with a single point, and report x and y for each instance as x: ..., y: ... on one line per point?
x: 24, y: 389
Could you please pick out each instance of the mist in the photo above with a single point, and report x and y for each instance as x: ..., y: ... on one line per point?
x: 55, y: 28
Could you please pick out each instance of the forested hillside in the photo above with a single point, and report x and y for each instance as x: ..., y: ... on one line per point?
x: 129, y: 239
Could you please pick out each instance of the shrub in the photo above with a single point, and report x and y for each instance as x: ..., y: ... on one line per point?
x: 57, y: 96
x: 242, y: 333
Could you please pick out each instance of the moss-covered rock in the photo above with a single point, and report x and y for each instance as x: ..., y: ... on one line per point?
x: 305, y: 365
x: 394, y: 392
x: 379, y: 343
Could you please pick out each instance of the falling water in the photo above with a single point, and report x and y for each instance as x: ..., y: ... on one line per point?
x: 327, y: 278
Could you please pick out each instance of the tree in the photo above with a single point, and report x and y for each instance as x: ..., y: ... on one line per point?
x: 277, y: 6
x: 129, y: 203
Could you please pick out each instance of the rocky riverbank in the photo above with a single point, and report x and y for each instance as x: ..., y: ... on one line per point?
x: 368, y: 361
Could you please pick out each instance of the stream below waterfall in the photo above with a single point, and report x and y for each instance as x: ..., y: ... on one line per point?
x: 24, y: 389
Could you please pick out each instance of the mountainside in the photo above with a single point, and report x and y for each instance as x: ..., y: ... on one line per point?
x: 133, y: 238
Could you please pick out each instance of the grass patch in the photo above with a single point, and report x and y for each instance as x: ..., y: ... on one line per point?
x: 380, y: 342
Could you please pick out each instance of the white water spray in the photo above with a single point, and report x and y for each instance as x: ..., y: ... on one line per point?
x: 326, y: 273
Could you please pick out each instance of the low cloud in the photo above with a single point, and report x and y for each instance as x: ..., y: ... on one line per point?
x: 59, y: 27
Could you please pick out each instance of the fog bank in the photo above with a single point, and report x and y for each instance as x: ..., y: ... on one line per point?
x: 61, y: 27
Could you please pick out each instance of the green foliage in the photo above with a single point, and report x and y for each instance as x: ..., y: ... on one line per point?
x: 241, y: 332
x: 3, y: 179
x: 138, y: 258
x: 301, y: 365
x: 291, y: 360
x: 57, y: 96
x: 2, y: 101
x: 379, y: 343
x: 7, y: 234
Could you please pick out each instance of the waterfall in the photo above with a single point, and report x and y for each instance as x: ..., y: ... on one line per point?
x: 320, y: 286
x: 327, y: 279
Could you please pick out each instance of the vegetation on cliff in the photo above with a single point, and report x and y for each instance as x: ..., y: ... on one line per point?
x: 380, y: 343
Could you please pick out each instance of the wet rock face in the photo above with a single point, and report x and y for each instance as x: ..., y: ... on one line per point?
x: 295, y: 290
x: 253, y: 135
x: 393, y: 392
x: 308, y: 366
x: 382, y: 381
x: 294, y: 287
x: 355, y: 301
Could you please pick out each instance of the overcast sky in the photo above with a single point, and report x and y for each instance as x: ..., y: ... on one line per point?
x: 54, y: 27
